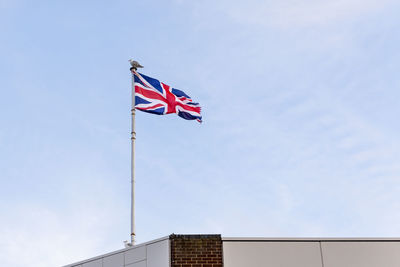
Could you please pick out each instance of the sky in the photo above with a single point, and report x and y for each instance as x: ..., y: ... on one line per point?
x: 300, y: 133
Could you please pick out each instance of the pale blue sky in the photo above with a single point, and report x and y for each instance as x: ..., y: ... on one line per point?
x: 300, y: 136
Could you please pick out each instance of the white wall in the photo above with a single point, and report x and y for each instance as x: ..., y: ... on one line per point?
x: 150, y: 254
x: 311, y: 253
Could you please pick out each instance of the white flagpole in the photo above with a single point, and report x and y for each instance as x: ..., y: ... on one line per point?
x: 133, y: 69
x: 133, y: 138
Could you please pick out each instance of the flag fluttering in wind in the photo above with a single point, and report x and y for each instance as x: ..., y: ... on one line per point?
x: 155, y: 97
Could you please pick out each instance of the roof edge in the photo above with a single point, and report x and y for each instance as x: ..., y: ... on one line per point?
x: 311, y: 239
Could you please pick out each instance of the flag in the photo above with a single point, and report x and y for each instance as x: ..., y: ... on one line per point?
x: 155, y: 97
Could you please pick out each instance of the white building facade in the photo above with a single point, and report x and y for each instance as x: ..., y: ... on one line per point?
x: 217, y: 251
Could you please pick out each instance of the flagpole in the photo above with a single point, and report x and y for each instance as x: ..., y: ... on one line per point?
x: 133, y: 138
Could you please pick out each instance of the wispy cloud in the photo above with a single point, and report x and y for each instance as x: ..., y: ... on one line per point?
x: 47, y: 237
x: 294, y: 13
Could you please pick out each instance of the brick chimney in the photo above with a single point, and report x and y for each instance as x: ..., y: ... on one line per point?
x: 196, y: 250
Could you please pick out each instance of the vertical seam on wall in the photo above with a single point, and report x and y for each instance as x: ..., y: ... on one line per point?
x: 146, y: 254
x: 322, y: 256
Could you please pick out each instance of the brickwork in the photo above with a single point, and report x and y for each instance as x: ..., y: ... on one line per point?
x: 196, y: 250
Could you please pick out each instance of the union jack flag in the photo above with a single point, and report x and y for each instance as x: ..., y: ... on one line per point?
x: 155, y: 97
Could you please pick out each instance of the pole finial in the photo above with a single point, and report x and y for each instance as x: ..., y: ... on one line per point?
x: 135, y: 65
